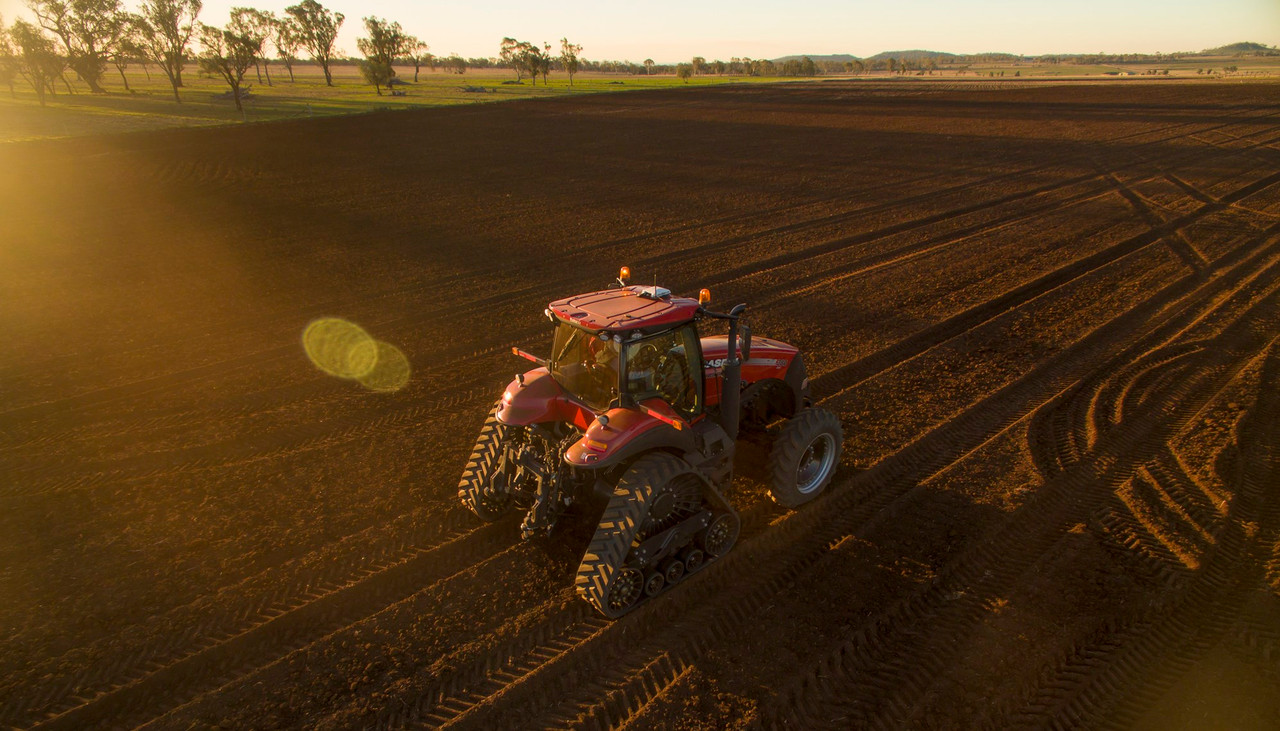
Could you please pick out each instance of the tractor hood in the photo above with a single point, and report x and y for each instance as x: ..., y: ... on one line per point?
x: 765, y: 353
x: 769, y: 359
x: 629, y: 432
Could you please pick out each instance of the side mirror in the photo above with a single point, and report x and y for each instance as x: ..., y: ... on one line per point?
x: 744, y: 342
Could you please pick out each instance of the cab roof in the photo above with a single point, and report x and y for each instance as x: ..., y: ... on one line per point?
x: 626, y: 308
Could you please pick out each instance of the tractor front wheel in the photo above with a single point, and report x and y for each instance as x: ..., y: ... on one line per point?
x: 804, y: 457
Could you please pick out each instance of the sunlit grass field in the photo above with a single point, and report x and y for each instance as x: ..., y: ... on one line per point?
x: 149, y: 103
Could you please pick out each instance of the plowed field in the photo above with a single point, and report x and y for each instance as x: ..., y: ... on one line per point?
x: 1048, y: 316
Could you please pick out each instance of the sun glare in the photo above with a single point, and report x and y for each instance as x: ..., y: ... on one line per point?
x: 342, y: 348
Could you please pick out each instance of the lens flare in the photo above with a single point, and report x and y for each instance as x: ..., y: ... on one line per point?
x: 340, y: 348
x: 391, y: 371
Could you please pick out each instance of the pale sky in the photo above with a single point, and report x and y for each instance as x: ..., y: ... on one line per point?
x: 675, y: 30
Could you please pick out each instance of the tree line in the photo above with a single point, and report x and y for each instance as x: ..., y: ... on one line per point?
x: 87, y: 37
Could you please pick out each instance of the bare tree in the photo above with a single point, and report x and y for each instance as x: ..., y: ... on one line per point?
x: 287, y: 39
x: 88, y: 29
x: 318, y: 31
x: 569, y: 57
x: 227, y: 55
x: 165, y: 28
x: 37, y: 57
x: 257, y: 26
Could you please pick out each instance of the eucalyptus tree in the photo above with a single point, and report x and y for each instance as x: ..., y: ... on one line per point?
x: 89, y: 31
x: 569, y: 57
x: 164, y: 35
x: 418, y: 54
x: 227, y: 55
x: 387, y: 41
x: 8, y: 60
x: 36, y: 57
x: 287, y: 38
x: 257, y: 26
x: 318, y: 31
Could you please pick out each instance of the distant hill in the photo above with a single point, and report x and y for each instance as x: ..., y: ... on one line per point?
x: 819, y: 58
x: 913, y: 56
x: 1241, y: 49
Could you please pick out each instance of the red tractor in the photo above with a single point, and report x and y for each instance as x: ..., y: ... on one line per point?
x: 634, y: 409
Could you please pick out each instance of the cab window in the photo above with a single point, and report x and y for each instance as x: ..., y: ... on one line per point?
x: 659, y: 366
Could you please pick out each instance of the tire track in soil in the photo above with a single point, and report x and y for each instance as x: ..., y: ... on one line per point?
x: 854, y: 373
x: 133, y: 389
x: 877, y: 677
x: 443, y: 700
x: 553, y: 264
x: 446, y: 363
x: 358, y: 427
x: 287, y: 626
x: 1113, y: 679
x: 480, y: 717
x: 297, y: 439
x: 473, y: 694
x: 917, y: 250
x: 245, y: 605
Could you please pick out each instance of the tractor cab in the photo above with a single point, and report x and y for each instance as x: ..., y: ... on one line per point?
x: 623, y: 346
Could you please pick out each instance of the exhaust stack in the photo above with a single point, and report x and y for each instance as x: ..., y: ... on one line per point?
x: 731, y: 397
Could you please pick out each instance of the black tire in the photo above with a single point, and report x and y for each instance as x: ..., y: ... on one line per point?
x: 480, y: 470
x: 673, y: 570
x: 804, y: 457
x: 717, y: 538
x: 693, y: 559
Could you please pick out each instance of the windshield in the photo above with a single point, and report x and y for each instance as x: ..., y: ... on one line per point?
x: 585, y: 365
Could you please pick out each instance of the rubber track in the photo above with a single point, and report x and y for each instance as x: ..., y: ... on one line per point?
x: 481, y: 465
x: 622, y: 517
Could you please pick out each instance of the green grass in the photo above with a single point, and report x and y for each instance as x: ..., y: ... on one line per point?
x: 150, y: 104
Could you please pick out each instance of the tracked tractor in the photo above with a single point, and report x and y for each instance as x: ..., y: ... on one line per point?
x: 633, y: 409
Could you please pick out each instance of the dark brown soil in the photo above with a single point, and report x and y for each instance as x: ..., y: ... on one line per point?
x: 1048, y: 315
